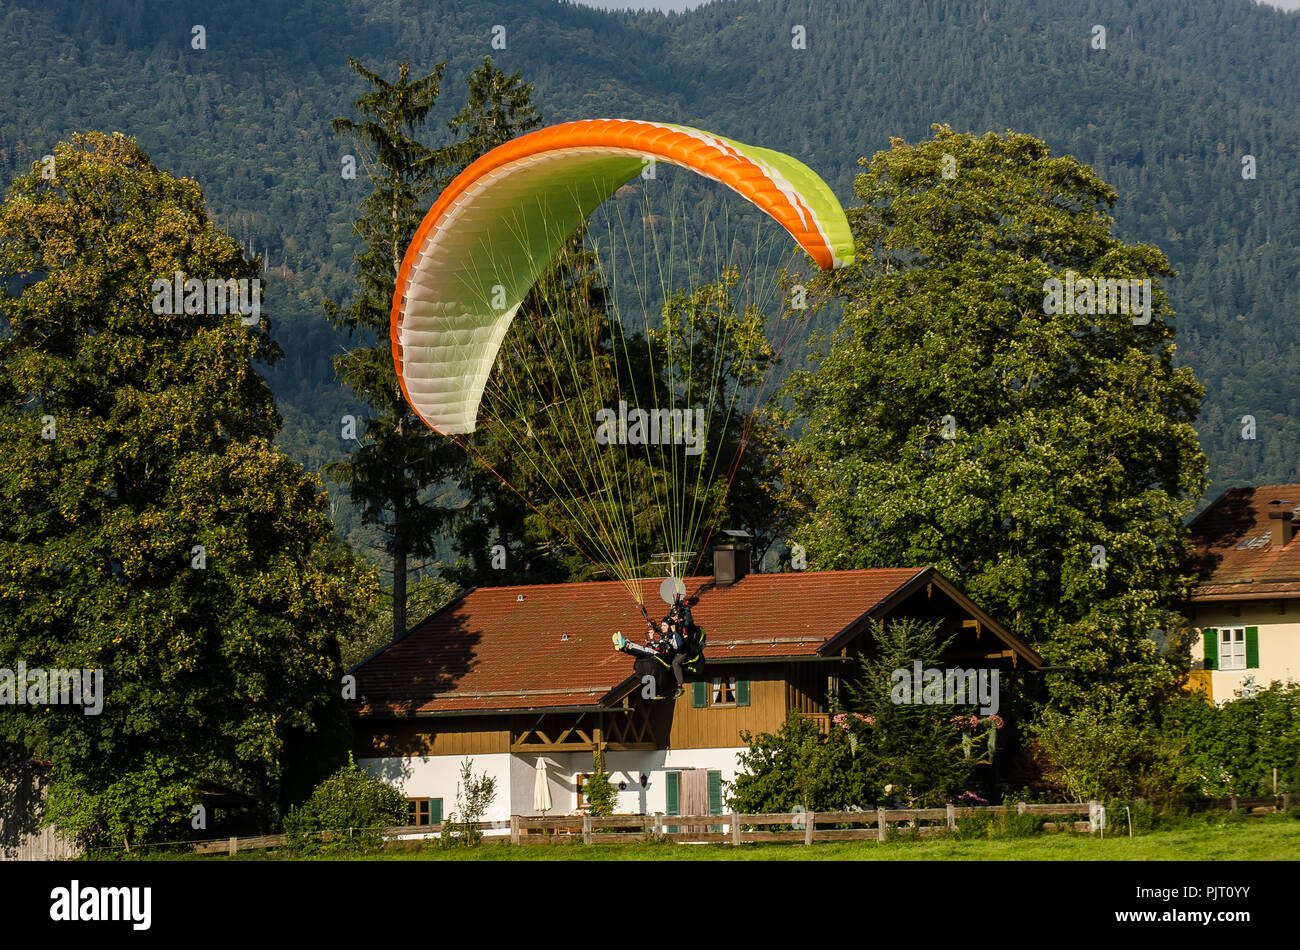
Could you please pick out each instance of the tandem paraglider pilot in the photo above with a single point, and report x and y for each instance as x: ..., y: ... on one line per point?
x: 674, y: 643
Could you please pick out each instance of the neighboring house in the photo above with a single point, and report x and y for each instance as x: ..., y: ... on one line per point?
x: 1246, y: 601
x: 506, y: 675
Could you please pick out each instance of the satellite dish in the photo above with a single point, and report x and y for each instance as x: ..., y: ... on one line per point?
x: 670, y: 588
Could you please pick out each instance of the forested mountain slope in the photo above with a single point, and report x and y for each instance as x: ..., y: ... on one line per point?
x: 1183, y: 90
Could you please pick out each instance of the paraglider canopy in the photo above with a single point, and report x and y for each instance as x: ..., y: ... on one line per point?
x: 495, y: 228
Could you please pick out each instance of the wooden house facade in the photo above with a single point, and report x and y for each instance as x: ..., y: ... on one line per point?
x: 510, y: 675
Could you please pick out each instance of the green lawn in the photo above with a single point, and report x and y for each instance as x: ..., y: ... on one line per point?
x: 1253, y: 839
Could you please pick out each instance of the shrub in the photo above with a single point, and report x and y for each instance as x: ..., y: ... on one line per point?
x: 799, y: 767
x: 352, y: 804
x: 1235, y: 747
x: 600, y: 791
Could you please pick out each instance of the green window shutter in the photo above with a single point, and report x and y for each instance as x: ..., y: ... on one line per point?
x: 742, y: 692
x: 699, y: 694
x: 435, y: 811
x: 715, y: 797
x: 1252, y: 648
x: 1210, y: 638
x: 673, y: 790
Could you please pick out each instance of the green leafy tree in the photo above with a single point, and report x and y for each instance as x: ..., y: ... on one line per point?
x: 1045, y: 461
x: 393, y: 474
x: 474, y: 796
x: 148, y: 528
x: 350, y: 809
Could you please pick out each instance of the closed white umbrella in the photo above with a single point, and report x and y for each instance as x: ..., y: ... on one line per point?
x: 541, y: 788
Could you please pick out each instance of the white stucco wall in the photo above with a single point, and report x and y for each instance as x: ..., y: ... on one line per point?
x: 1279, y: 644
x: 437, y: 777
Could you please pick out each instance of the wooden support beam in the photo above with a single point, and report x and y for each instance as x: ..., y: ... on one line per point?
x: 533, y: 747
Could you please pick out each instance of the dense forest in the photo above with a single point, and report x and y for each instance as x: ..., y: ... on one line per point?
x: 1168, y: 112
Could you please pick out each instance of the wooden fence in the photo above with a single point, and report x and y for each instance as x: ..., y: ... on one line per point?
x: 732, y: 828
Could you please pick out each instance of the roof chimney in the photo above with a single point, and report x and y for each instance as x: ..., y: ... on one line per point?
x: 730, y: 558
x: 1280, y: 514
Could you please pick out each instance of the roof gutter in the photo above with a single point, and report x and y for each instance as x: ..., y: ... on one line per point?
x: 459, y: 713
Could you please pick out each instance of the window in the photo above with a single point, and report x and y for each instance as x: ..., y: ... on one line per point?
x: 723, y: 692
x: 580, y: 781
x: 1232, y: 648
x: 423, y: 811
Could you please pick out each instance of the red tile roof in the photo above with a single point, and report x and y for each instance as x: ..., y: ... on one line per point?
x: 1235, y: 557
x: 504, y: 647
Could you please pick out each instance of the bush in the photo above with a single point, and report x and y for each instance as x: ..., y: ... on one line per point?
x: 351, y: 804
x: 1107, y: 755
x: 1235, y: 747
x: 798, y: 767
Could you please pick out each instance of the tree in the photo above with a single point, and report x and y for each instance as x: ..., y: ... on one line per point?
x: 474, y: 796
x: 148, y: 528
x: 928, y: 749
x: 522, y: 454
x: 498, y: 109
x: 1045, y: 460
x: 558, y: 511
x: 390, y: 474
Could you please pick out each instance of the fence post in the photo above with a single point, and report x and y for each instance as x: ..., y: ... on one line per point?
x: 659, y: 824
x: 735, y: 827
x: 880, y: 823
x: 952, y: 817
x: 1093, y: 805
x: 514, y: 829
x: 810, y: 823
x: 232, y: 846
x: 586, y: 829
x: 1286, y: 801
x: 1234, y: 803
x: 1020, y: 808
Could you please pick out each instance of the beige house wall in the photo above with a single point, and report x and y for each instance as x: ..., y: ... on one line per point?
x: 1279, y: 642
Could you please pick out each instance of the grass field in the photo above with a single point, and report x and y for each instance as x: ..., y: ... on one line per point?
x: 1254, y: 839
